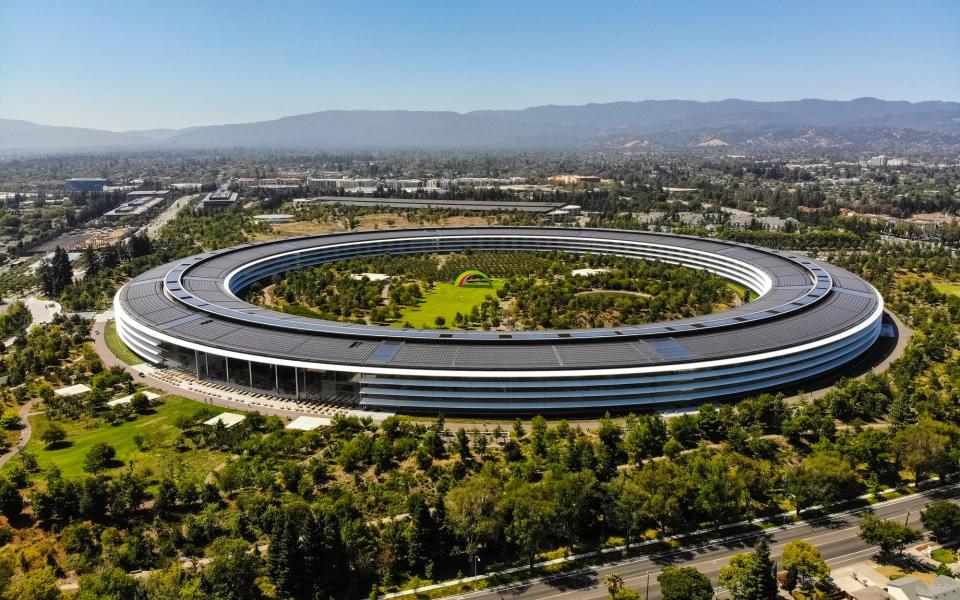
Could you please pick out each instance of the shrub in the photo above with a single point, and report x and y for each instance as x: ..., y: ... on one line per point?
x: 53, y: 433
x: 99, y: 457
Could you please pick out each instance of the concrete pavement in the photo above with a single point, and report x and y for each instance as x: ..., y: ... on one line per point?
x: 836, y: 536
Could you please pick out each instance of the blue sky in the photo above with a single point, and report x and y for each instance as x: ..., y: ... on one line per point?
x: 171, y: 63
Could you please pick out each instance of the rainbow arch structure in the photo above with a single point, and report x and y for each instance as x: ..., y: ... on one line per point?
x: 469, y: 274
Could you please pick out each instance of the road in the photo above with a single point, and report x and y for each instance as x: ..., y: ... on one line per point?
x: 835, y: 536
x: 167, y: 215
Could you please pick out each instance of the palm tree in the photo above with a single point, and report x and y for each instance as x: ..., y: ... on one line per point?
x: 614, y: 583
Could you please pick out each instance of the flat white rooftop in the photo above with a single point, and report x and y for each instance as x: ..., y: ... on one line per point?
x: 308, y: 423
x: 228, y: 419
x: 585, y: 272
x: 72, y: 390
x: 370, y: 276
x: 126, y: 399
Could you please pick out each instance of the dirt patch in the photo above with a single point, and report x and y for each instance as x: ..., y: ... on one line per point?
x: 369, y: 222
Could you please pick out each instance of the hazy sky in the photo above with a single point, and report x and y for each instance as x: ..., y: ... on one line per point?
x: 169, y: 63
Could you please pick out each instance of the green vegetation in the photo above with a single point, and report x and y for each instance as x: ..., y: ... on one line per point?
x: 15, y: 319
x: 109, y: 267
x: 742, y: 292
x: 532, y: 290
x: 944, y: 556
x: 943, y: 519
x: 947, y: 288
x: 381, y: 506
x: 751, y: 576
x: 891, y: 535
x: 445, y: 300
x: 116, y: 345
x: 145, y: 441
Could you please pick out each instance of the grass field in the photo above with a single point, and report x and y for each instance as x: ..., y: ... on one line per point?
x: 117, y: 346
x: 943, y: 555
x: 948, y: 288
x: 160, y: 427
x: 446, y: 300
x: 739, y: 290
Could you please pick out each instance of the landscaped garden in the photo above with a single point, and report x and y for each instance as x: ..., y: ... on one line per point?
x: 146, y: 440
x: 524, y: 291
x: 443, y: 302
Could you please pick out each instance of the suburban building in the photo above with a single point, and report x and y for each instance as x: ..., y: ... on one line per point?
x: 219, y: 199
x: 84, y: 184
x: 910, y: 588
x: 573, y: 179
x: 141, y: 194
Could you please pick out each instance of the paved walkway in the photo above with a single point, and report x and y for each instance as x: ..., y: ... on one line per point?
x: 25, y: 411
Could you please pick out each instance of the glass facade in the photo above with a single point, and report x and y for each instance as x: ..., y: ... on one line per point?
x: 288, y: 382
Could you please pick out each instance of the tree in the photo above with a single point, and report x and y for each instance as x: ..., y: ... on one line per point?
x: 139, y: 402
x: 614, y: 583
x: 36, y: 584
x: 901, y: 412
x: 55, y: 274
x: 53, y: 433
x: 440, y: 321
x: 646, y: 437
x: 921, y: 449
x: 232, y: 571
x: 285, y: 561
x: 110, y: 584
x: 11, y: 502
x: 803, y: 562
x: 626, y: 505
x: 891, y: 536
x: 943, y: 519
x: 421, y: 534
x: 684, y: 583
x: 173, y: 583
x: 473, y: 511
x: 99, y: 457
x: 92, y: 262
x: 764, y: 573
x: 667, y: 494
x: 750, y: 576
x: 822, y: 477
x: 531, y: 520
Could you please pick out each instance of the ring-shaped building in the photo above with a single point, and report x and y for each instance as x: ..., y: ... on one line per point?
x: 810, y: 319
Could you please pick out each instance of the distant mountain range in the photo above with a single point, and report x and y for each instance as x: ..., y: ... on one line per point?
x: 861, y: 124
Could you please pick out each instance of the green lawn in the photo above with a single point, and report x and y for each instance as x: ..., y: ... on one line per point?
x: 117, y: 346
x: 943, y: 555
x: 159, y: 426
x: 739, y: 290
x: 948, y: 288
x: 446, y: 300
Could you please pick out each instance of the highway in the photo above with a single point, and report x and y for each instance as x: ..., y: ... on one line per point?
x: 835, y: 536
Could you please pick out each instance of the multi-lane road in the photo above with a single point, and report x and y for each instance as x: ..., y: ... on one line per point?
x: 835, y: 536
